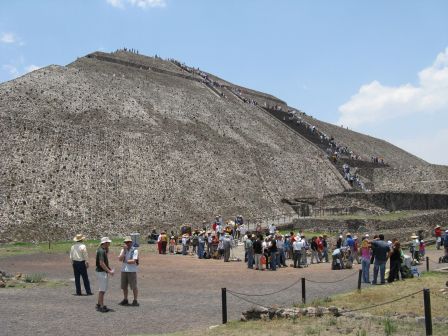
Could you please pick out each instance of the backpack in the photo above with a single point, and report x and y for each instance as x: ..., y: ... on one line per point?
x: 137, y: 261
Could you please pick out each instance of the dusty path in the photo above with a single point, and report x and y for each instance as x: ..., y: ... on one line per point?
x: 176, y: 293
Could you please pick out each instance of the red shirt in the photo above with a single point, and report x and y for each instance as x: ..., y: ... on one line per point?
x: 438, y: 232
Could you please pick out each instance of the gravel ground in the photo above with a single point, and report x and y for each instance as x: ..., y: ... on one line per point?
x: 176, y: 293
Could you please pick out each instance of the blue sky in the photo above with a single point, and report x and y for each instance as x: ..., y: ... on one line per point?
x: 379, y: 67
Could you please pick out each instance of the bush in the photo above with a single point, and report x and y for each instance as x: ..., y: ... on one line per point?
x: 34, y: 277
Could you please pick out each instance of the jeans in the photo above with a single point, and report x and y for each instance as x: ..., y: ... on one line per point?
x: 201, y: 250
x: 80, y: 270
x: 281, y: 257
x: 379, y: 266
x: 314, y: 256
x: 365, y: 263
x: 250, y: 259
x: 297, y: 258
x: 258, y: 264
x: 325, y: 254
x: 273, y: 261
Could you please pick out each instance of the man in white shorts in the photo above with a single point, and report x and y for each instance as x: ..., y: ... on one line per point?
x: 102, y: 273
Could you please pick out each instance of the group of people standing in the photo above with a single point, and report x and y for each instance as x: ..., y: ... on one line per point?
x: 272, y: 251
x: 128, y: 257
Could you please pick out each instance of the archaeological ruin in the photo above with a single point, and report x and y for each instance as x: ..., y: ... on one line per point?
x: 120, y: 142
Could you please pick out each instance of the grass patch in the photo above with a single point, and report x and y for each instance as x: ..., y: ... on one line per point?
x: 25, y: 248
x: 412, y: 305
x: 391, y: 216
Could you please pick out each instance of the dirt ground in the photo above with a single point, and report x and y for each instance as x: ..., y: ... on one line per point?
x: 176, y: 293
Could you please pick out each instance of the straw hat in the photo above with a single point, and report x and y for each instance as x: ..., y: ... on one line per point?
x: 105, y: 240
x: 437, y: 226
x: 127, y: 239
x: 414, y: 236
x: 79, y: 237
x: 348, y: 234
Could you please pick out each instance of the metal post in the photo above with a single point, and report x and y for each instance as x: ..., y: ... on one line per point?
x: 427, y: 302
x: 359, y: 280
x: 427, y: 264
x: 303, y: 291
x: 224, y: 305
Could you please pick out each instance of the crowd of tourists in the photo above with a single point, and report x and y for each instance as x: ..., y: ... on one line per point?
x: 263, y: 250
x: 352, y: 177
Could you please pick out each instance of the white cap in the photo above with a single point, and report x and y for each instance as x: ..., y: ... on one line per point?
x: 105, y: 240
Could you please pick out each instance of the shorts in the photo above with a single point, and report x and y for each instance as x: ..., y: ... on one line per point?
x: 103, y: 281
x: 129, y: 278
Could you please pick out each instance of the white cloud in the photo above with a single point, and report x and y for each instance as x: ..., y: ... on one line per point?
x: 431, y: 147
x: 375, y: 103
x: 413, y: 117
x: 31, y: 67
x: 116, y: 3
x: 144, y: 4
x: 11, y: 70
x: 8, y: 38
x: 18, y: 69
x: 148, y: 3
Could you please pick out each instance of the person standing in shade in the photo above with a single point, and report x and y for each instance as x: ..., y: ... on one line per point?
x: 249, y: 246
x: 297, y: 252
x: 103, y: 271
x: 395, y: 263
x: 201, y: 245
x: 129, y: 257
x: 381, y: 252
x: 258, y: 251
x: 226, y: 245
x: 79, y: 258
x: 365, y: 258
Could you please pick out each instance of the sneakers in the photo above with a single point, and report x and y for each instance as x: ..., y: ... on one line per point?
x: 125, y: 302
x: 102, y: 309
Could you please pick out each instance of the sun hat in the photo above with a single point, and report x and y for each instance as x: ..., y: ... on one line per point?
x: 437, y: 226
x: 414, y: 236
x: 348, y: 234
x: 127, y: 239
x: 79, y: 237
x: 105, y: 240
x: 367, y: 235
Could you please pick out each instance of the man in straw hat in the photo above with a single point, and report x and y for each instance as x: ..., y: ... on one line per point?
x: 103, y: 271
x: 129, y: 257
x: 79, y: 257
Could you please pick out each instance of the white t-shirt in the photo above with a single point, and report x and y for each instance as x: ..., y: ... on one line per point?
x: 297, y: 245
x: 131, y: 254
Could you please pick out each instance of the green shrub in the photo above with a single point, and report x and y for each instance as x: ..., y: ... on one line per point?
x: 34, y: 277
x: 389, y: 327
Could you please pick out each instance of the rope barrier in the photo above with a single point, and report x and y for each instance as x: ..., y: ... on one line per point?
x: 330, y: 282
x: 382, y: 304
x: 440, y: 296
x: 276, y: 292
x: 247, y: 300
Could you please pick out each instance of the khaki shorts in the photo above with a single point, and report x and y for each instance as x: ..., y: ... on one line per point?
x: 103, y: 281
x: 129, y: 278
